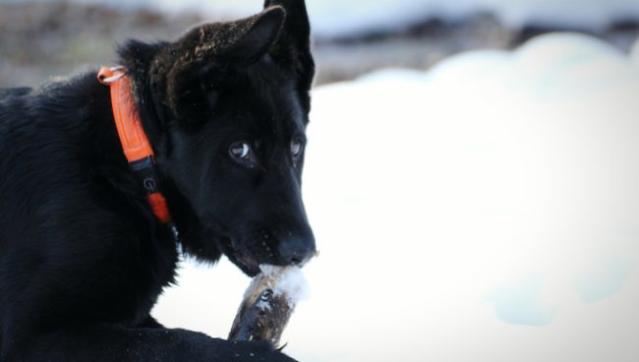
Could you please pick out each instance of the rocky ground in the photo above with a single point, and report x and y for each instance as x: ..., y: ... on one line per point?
x: 41, y: 41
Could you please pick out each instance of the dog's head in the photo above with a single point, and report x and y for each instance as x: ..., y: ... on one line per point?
x: 231, y: 103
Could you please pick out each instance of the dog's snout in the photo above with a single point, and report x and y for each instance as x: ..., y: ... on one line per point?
x: 297, y: 251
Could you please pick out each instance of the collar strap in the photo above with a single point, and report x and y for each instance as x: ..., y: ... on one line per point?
x: 135, y: 143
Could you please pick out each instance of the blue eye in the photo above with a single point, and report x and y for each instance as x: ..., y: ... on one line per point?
x: 241, y: 150
x: 242, y: 153
x: 296, y: 148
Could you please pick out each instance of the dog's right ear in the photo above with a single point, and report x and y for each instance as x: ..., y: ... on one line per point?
x: 262, y: 32
x: 293, y: 48
x: 185, y: 71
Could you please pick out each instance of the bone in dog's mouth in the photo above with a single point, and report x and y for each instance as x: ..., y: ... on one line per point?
x: 268, y: 304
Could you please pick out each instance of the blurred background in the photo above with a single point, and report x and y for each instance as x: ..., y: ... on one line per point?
x: 472, y: 173
x: 42, y: 38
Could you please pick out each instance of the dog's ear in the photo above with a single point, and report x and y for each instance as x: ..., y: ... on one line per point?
x: 259, y: 35
x: 184, y: 73
x: 293, y: 48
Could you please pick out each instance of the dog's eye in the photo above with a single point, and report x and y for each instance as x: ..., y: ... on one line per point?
x: 296, y: 148
x: 243, y: 153
x: 240, y: 150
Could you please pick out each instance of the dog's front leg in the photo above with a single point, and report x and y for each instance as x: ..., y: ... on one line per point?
x: 110, y: 343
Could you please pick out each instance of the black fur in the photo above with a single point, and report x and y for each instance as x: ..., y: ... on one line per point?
x: 82, y: 258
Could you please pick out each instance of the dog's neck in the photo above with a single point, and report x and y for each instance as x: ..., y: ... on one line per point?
x: 135, y: 143
x: 137, y: 58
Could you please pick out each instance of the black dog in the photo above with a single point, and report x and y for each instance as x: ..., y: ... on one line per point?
x: 83, y: 259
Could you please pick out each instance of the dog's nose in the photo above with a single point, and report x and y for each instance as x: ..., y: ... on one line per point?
x: 296, y: 251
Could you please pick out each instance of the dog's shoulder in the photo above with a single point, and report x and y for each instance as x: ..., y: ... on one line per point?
x: 61, y: 102
x: 11, y: 101
x: 14, y: 92
x: 50, y: 128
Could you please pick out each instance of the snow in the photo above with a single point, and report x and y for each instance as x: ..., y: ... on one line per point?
x: 487, y: 210
x: 607, y: 279
x: 289, y: 281
x: 337, y: 17
x: 520, y: 303
x: 635, y: 53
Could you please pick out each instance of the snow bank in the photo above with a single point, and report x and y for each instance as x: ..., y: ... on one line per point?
x: 487, y: 210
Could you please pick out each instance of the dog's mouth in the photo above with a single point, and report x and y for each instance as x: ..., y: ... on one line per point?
x: 247, y: 263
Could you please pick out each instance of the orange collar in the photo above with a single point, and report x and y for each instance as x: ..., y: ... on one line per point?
x: 135, y: 143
